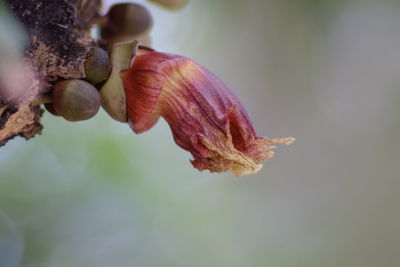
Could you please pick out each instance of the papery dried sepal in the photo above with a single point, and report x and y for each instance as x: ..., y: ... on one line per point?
x: 112, y: 92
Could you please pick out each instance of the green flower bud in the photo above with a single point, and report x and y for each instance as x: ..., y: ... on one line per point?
x: 75, y: 100
x: 97, y: 66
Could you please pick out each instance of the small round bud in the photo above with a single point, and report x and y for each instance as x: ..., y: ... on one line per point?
x: 97, y: 66
x: 75, y: 100
x: 126, y: 19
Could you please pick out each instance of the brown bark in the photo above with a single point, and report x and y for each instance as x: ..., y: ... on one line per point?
x: 58, y: 44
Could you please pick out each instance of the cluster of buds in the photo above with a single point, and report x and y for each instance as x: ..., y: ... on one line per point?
x: 142, y: 85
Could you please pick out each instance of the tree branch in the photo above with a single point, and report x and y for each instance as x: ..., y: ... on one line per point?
x: 59, y: 41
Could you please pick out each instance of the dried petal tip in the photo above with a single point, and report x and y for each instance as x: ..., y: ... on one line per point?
x: 205, y: 117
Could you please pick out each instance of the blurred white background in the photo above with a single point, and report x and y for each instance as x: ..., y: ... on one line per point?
x: 326, y: 72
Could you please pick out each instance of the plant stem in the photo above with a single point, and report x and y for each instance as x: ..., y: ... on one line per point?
x: 44, y: 99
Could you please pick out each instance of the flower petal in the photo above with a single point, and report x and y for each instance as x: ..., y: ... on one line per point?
x: 205, y: 117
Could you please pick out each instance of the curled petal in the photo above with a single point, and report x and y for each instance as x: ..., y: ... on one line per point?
x: 205, y: 117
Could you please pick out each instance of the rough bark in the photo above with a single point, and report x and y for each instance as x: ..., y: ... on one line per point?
x: 58, y: 44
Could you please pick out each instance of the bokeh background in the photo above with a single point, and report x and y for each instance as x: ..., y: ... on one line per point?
x: 94, y: 194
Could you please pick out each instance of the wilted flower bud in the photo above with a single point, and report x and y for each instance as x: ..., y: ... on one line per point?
x: 205, y: 117
x: 75, y: 100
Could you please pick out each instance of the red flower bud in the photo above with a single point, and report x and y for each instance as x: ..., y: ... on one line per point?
x: 205, y: 117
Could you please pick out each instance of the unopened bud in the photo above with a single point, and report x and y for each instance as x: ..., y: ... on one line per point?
x: 75, y: 100
x: 97, y: 66
x: 126, y: 19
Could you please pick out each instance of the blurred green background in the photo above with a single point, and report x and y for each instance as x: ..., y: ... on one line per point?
x: 326, y: 72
